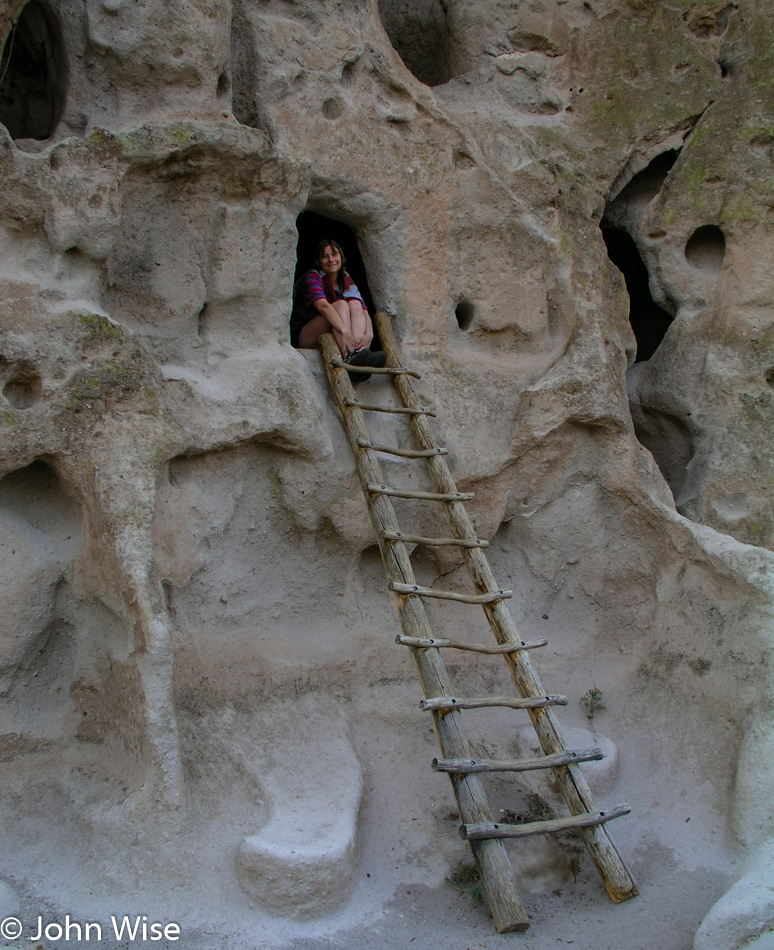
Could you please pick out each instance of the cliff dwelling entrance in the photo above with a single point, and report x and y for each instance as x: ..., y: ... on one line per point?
x: 659, y: 423
x: 313, y: 228
x: 622, y: 216
x: 33, y: 74
x: 419, y: 33
x: 649, y: 321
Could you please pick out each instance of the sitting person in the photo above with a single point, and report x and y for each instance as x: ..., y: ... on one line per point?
x: 325, y: 299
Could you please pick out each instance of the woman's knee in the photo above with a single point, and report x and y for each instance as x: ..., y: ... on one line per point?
x: 342, y: 309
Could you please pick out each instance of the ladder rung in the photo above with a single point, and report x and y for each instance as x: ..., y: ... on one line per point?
x: 431, y: 542
x: 443, y: 703
x: 375, y: 489
x: 498, y: 829
x: 487, y: 598
x: 433, y: 642
x: 403, y: 453
x: 381, y: 370
x: 467, y: 766
x: 403, y: 410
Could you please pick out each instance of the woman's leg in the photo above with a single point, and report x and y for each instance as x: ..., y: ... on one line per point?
x: 360, y: 322
x: 311, y: 332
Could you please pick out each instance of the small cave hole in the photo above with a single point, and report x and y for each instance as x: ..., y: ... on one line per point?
x: 224, y: 86
x: 725, y: 68
x: 37, y: 494
x: 770, y: 377
x: 33, y: 74
x: 706, y: 249
x: 24, y: 388
x: 245, y: 72
x: 313, y: 228
x: 645, y: 185
x: 649, y: 321
x: 465, y: 312
x: 670, y: 441
x: 419, y: 33
x: 333, y: 108
x: 722, y: 18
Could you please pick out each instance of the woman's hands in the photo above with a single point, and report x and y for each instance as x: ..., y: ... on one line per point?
x: 350, y: 323
x: 350, y: 343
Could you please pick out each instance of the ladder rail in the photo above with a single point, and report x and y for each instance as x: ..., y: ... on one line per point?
x: 617, y: 878
x: 497, y: 875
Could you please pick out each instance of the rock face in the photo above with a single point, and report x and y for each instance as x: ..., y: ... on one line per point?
x: 567, y: 207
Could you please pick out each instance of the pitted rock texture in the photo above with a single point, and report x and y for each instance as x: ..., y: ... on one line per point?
x: 185, y: 548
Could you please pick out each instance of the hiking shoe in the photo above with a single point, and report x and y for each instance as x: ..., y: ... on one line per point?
x: 378, y: 358
x: 359, y: 358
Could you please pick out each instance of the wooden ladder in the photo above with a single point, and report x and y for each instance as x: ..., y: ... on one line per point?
x: 457, y: 757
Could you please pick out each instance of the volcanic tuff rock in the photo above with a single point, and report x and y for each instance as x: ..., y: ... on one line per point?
x: 185, y: 549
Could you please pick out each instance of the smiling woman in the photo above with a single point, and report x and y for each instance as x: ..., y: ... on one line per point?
x: 326, y: 299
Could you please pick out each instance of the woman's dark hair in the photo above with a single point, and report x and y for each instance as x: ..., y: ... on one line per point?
x: 327, y: 242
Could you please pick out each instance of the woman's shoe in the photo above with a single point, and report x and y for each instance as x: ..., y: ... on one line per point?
x: 364, y: 357
x: 359, y: 358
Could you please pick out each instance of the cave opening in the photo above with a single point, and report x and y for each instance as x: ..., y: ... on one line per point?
x: 24, y: 388
x: 313, y: 228
x: 646, y: 184
x: 706, y: 249
x: 465, y: 312
x: 244, y: 83
x: 670, y: 440
x: 419, y: 33
x: 649, y: 321
x: 33, y: 74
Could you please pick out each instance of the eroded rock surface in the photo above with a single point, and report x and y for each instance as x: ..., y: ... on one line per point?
x: 184, y: 545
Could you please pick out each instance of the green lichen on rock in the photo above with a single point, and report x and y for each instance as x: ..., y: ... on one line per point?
x: 105, y: 383
x: 106, y: 144
x: 652, y: 75
x: 99, y: 329
x: 9, y: 419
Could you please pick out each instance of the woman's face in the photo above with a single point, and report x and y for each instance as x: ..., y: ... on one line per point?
x: 330, y: 261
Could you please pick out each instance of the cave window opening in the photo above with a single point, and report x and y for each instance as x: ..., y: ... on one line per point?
x: 33, y: 74
x: 465, y: 312
x: 645, y: 185
x: 313, y: 228
x: 706, y: 249
x: 649, y: 321
x: 419, y: 33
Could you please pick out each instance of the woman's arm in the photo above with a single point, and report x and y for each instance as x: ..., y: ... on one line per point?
x: 335, y: 319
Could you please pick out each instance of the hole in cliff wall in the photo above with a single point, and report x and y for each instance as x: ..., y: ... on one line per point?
x: 36, y: 494
x: 245, y: 72
x: 24, y: 387
x: 34, y: 74
x: 645, y: 185
x: 419, y: 32
x: 313, y: 228
x: 649, y: 321
x: 706, y: 249
x: 465, y: 312
x: 669, y: 441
